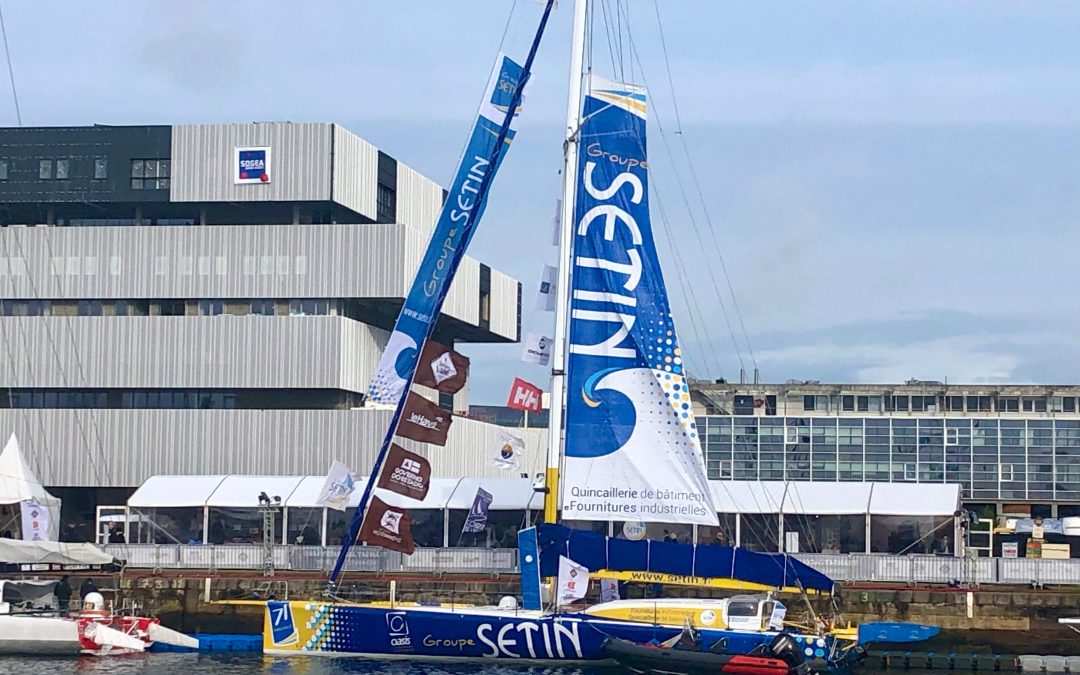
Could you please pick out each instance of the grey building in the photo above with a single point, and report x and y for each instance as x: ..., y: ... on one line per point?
x: 214, y: 299
x: 1009, y: 446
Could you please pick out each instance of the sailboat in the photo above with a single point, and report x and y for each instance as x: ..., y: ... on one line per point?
x: 623, y: 442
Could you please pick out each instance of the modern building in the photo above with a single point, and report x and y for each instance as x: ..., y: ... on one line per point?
x: 213, y: 299
x: 1011, y: 447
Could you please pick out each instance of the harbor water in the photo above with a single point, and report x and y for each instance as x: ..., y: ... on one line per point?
x: 252, y: 664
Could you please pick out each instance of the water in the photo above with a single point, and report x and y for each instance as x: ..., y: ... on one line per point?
x: 250, y: 664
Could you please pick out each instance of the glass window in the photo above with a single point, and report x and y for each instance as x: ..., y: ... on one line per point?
x: 900, y: 403
x: 101, y: 168
x: 138, y: 168
x: 848, y: 403
x: 3, y: 169
x: 1040, y: 404
x: 211, y: 307
x: 264, y: 307
x: 808, y: 402
x: 45, y: 169
x: 1068, y: 404
x: 954, y: 403
x: 63, y: 166
x: 1028, y: 404
x: 1008, y: 404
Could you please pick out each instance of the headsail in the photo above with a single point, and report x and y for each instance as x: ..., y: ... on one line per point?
x: 632, y: 449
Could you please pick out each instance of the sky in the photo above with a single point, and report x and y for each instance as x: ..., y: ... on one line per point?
x: 893, y: 187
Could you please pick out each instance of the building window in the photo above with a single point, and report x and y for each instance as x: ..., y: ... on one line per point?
x: 909, y: 472
x: 63, y: 167
x: 101, y: 168
x: 954, y: 403
x: 1008, y: 404
x: 848, y: 403
x: 900, y: 403
x: 863, y: 403
x: 1006, y: 472
x: 264, y: 307
x: 386, y: 202
x: 45, y: 169
x: 172, y: 308
x: 150, y: 174
x: 211, y: 307
x: 1068, y: 404
x: 309, y: 307
x: 90, y: 308
x: 3, y: 169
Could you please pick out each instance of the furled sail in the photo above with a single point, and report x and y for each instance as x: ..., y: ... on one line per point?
x: 632, y: 449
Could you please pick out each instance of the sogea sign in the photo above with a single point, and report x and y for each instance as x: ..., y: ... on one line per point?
x: 251, y: 165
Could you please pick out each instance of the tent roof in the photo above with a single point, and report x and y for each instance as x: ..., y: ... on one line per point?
x: 243, y: 491
x: 17, y: 480
x: 914, y: 499
x: 174, y: 491
x: 804, y: 498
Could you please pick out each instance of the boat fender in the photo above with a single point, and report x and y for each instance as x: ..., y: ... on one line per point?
x: 784, y: 647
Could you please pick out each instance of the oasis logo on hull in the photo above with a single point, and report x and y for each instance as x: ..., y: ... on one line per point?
x: 251, y: 165
x: 397, y: 627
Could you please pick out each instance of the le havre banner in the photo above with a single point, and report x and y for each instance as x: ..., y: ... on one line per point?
x: 632, y: 447
x: 454, y: 229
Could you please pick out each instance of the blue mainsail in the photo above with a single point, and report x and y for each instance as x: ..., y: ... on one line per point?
x: 632, y: 448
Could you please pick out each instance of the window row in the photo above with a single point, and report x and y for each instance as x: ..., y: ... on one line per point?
x: 62, y: 168
x: 150, y: 174
x: 206, y: 307
x: 205, y: 399
x: 938, y: 403
x: 185, y: 265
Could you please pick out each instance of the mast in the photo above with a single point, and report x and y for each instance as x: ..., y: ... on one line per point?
x: 557, y: 400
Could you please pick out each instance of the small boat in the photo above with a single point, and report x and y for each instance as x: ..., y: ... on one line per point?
x: 30, y: 624
x: 1072, y: 622
x: 687, y: 655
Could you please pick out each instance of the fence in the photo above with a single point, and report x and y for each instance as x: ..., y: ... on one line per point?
x: 855, y: 567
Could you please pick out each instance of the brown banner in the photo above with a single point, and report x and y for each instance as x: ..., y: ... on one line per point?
x: 442, y: 368
x: 424, y: 421
x: 405, y: 473
x: 387, y: 526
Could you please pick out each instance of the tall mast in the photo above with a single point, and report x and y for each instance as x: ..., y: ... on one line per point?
x: 557, y: 402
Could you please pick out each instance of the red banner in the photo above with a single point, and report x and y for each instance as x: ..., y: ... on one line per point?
x: 387, y: 526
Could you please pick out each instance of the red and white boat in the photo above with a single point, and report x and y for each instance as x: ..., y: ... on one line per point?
x: 30, y: 624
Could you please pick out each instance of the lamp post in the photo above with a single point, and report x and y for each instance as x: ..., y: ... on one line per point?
x: 269, y: 508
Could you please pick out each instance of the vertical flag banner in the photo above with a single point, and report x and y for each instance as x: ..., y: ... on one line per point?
x: 632, y: 446
x: 536, y: 348
x: 545, y: 297
x: 338, y: 488
x: 452, y: 233
x: 478, y: 514
x: 525, y: 396
x: 35, y: 521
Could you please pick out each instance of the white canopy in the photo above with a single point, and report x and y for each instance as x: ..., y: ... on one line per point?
x: 17, y: 480
x: 13, y: 551
x: 164, y: 492
x: 510, y: 494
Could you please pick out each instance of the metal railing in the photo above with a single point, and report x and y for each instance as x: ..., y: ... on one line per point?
x: 854, y: 567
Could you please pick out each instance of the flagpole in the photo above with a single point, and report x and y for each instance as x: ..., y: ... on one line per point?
x: 562, y: 287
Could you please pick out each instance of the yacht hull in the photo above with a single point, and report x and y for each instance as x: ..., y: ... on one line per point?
x: 471, y: 634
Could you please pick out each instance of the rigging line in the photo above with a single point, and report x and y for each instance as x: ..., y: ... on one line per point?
x: 693, y: 221
x: 11, y: 68
x: 78, y: 360
x: 697, y: 186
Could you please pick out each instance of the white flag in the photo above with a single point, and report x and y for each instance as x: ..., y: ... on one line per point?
x: 536, y: 349
x: 337, y: 488
x: 443, y: 368
x: 573, y: 581
x: 556, y: 223
x: 35, y: 521
x: 609, y: 590
x: 545, y: 297
x: 509, y: 450
x: 776, y: 621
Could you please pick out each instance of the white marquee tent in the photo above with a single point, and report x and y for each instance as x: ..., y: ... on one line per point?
x: 19, y: 486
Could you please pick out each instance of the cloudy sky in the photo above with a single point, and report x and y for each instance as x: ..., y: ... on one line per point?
x: 894, y: 186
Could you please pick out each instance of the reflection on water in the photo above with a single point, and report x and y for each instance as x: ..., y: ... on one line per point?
x: 249, y: 664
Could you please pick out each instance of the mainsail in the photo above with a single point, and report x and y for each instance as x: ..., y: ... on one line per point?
x: 632, y: 450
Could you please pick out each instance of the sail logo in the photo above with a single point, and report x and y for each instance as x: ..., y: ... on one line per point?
x: 251, y: 165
